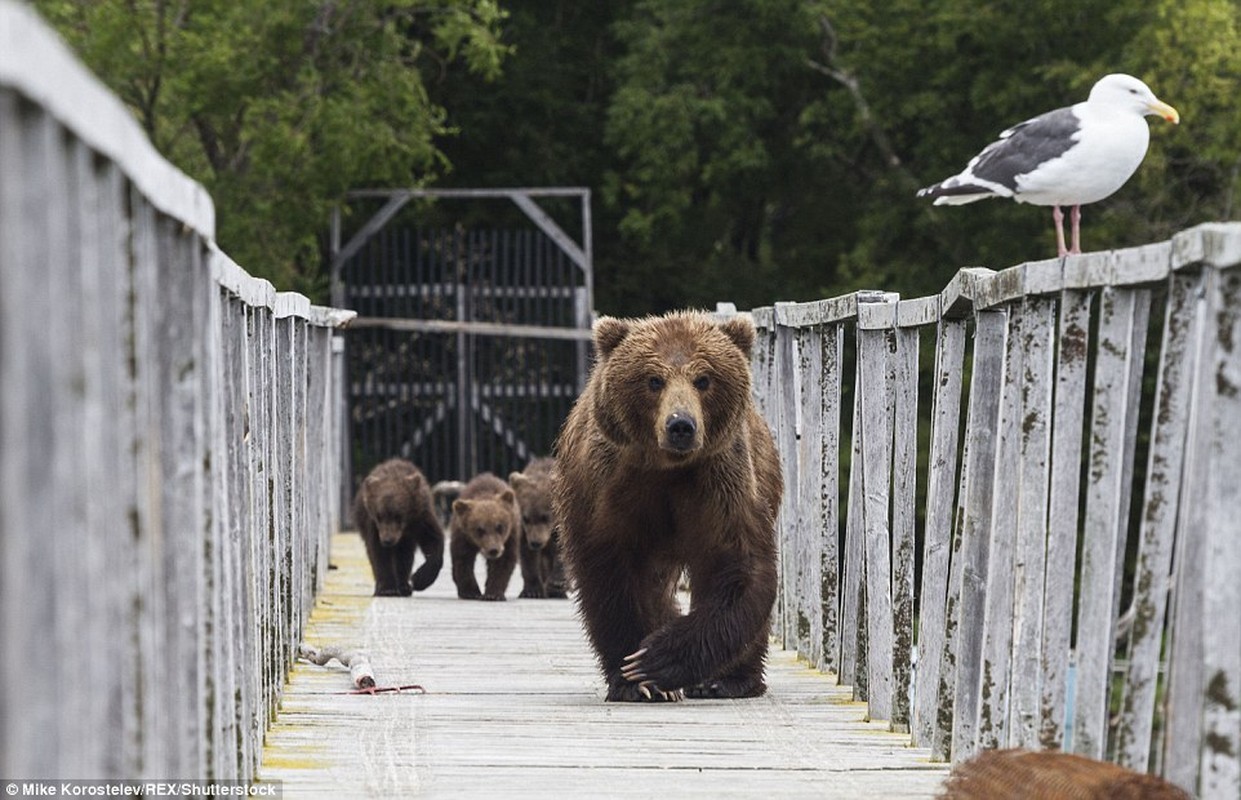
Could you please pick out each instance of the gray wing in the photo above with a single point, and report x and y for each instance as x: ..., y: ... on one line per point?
x: 1023, y: 147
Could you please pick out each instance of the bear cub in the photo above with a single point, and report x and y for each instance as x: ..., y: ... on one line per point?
x: 395, y: 515
x: 665, y: 465
x: 487, y: 520
x: 542, y: 570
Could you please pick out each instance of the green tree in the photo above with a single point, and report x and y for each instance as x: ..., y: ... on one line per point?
x: 770, y: 149
x: 279, y: 107
x: 714, y: 200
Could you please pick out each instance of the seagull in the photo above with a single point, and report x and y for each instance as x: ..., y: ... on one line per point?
x: 1068, y: 157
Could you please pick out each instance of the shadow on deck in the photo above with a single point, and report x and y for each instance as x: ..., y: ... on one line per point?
x: 514, y: 708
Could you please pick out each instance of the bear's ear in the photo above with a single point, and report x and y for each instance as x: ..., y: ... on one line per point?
x: 517, y: 479
x: 460, y: 506
x: 609, y: 332
x: 414, y: 480
x: 507, y: 497
x: 741, y: 331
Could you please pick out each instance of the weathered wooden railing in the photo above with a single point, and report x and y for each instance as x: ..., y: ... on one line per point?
x: 168, y: 450
x: 1001, y: 615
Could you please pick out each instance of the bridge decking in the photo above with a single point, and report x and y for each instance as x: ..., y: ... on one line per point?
x: 514, y: 708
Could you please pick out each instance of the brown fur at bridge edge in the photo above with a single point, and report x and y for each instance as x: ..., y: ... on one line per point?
x: 1017, y: 774
x: 542, y: 569
x: 486, y: 520
x: 396, y: 516
x: 665, y: 464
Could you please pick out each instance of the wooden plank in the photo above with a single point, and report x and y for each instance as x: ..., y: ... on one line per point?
x: 875, y: 388
x: 1073, y: 334
x: 997, y: 636
x: 941, y: 490
x: 917, y: 312
x: 1214, y: 244
x: 545, y: 726
x: 832, y: 347
x: 904, y: 365
x: 811, y: 517
x: 852, y: 622
x: 946, y: 693
x: 985, y: 391
x: 1030, y: 557
x: 822, y: 312
x: 26, y: 426
x: 1183, y: 741
x: 1122, y: 321
x: 786, y: 441
x: 1161, y: 507
x: 1221, y: 708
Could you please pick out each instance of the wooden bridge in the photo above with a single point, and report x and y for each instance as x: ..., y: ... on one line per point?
x: 514, y: 708
x: 1059, y: 570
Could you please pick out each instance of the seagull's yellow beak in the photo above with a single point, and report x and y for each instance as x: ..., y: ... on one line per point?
x: 1166, y: 111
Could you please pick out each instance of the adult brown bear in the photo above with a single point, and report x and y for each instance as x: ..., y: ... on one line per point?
x: 395, y: 516
x: 664, y: 464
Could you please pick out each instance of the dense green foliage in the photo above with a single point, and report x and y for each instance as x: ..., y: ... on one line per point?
x: 278, y: 107
x: 749, y: 150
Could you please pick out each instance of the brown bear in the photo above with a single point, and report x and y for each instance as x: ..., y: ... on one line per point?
x: 1045, y: 774
x: 395, y: 515
x: 664, y: 464
x: 542, y: 570
x: 485, y: 519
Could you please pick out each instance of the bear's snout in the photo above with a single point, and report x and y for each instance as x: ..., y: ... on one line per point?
x: 493, y: 553
x: 389, y: 536
x: 680, y: 433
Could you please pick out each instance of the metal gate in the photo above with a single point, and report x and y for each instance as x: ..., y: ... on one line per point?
x: 470, y: 345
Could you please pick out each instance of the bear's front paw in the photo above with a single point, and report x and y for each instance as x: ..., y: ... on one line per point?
x: 493, y: 597
x: 532, y: 592
x: 624, y: 692
x: 656, y: 666
x: 466, y: 594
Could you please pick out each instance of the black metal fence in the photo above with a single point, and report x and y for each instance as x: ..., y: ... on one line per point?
x: 469, y: 349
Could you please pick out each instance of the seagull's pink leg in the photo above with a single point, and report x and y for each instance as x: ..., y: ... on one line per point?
x: 1058, y: 216
x: 1076, y: 216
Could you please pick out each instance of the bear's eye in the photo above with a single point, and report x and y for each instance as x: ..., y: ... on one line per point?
x: 499, y: 527
x: 655, y: 383
x: 701, y: 383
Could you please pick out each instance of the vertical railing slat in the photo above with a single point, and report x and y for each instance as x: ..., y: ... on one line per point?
x: 1073, y: 334
x: 941, y: 492
x: 876, y: 340
x: 904, y: 504
x: 985, y: 383
x: 784, y: 368
x: 1221, y: 713
x: 1157, y: 529
x: 852, y: 615
x: 832, y: 346
x: 997, y: 641
x: 1038, y: 322
x: 811, y: 517
x: 1122, y: 329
